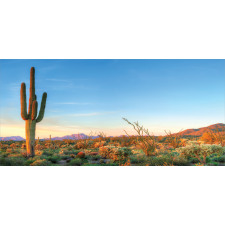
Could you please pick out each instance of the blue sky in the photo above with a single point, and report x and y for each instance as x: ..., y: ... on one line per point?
x: 94, y: 95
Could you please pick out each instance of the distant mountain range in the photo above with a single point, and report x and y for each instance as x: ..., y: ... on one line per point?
x: 71, y: 137
x: 188, y: 132
x: 200, y: 131
x: 12, y: 138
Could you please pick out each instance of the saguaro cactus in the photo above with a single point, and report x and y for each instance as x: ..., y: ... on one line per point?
x: 31, y: 117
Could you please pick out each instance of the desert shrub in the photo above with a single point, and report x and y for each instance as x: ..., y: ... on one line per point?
x: 216, y: 136
x: 213, y: 164
x: 107, y: 151
x: 120, y: 155
x: 175, y: 140
x: 68, y: 152
x: 99, y: 144
x: 92, y: 153
x: 126, y: 141
x: 80, y: 155
x: 144, y: 139
x: 14, y: 161
x: 180, y: 161
x: 54, y: 158
x: 65, y: 157
x: 160, y: 161
x: 3, y: 147
x: 39, y: 147
x: 41, y: 162
x: 220, y: 136
x: 15, y: 155
x: 192, y: 160
x: 70, y: 148
x: 76, y: 162
x: 29, y: 162
x: 134, y: 160
x: 76, y: 152
x: 94, y: 157
x: 13, y: 145
x: 219, y: 159
x: 138, y: 159
x: 200, y: 151
x: 83, y: 144
x: 47, y: 153
x: 5, y: 162
x: 102, y: 161
x: 208, y: 138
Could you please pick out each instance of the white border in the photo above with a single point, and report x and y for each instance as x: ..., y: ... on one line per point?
x: 112, y: 29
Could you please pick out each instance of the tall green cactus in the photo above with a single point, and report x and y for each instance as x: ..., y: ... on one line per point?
x: 31, y: 117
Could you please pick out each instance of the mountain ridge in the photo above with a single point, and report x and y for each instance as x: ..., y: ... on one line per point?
x: 187, y: 132
x: 200, y: 131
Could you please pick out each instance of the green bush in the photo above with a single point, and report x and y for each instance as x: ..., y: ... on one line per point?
x: 134, y: 160
x: 180, y: 161
x: 213, y: 164
x: 76, y: 162
x: 47, y: 153
x: 54, y: 158
x: 29, y: 161
x: 200, y: 151
x: 140, y: 159
x: 159, y: 161
x: 13, y: 161
x: 65, y: 157
x: 219, y: 159
x: 94, y: 157
x: 40, y: 162
x: 193, y: 160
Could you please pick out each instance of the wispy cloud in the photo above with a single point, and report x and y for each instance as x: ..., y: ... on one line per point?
x: 57, y: 80
x: 16, y: 86
x: 90, y: 114
x: 85, y: 114
x: 73, y: 103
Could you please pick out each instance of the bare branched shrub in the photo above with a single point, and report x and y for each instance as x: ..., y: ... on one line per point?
x: 102, y: 135
x: 144, y: 140
x: 175, y: 140
x: 218, y: 136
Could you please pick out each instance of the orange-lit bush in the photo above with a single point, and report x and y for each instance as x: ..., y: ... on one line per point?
x: 80, y: 155
x: 208, y: 138
x: 99, y: 144
x: 175, y: 140
x: 116, y: 154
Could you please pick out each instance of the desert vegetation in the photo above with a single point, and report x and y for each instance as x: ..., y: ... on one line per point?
x: 142, y: 149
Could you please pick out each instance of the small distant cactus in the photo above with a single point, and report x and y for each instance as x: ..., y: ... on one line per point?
x: 32, y: 117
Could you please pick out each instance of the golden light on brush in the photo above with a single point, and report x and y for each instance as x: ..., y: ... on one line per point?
x: 32, y: 117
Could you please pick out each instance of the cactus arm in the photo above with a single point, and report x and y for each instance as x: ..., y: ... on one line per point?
x: 34, y: 110
x: 42, y: 109
x: 23, y: 102
x: 32, y: 89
